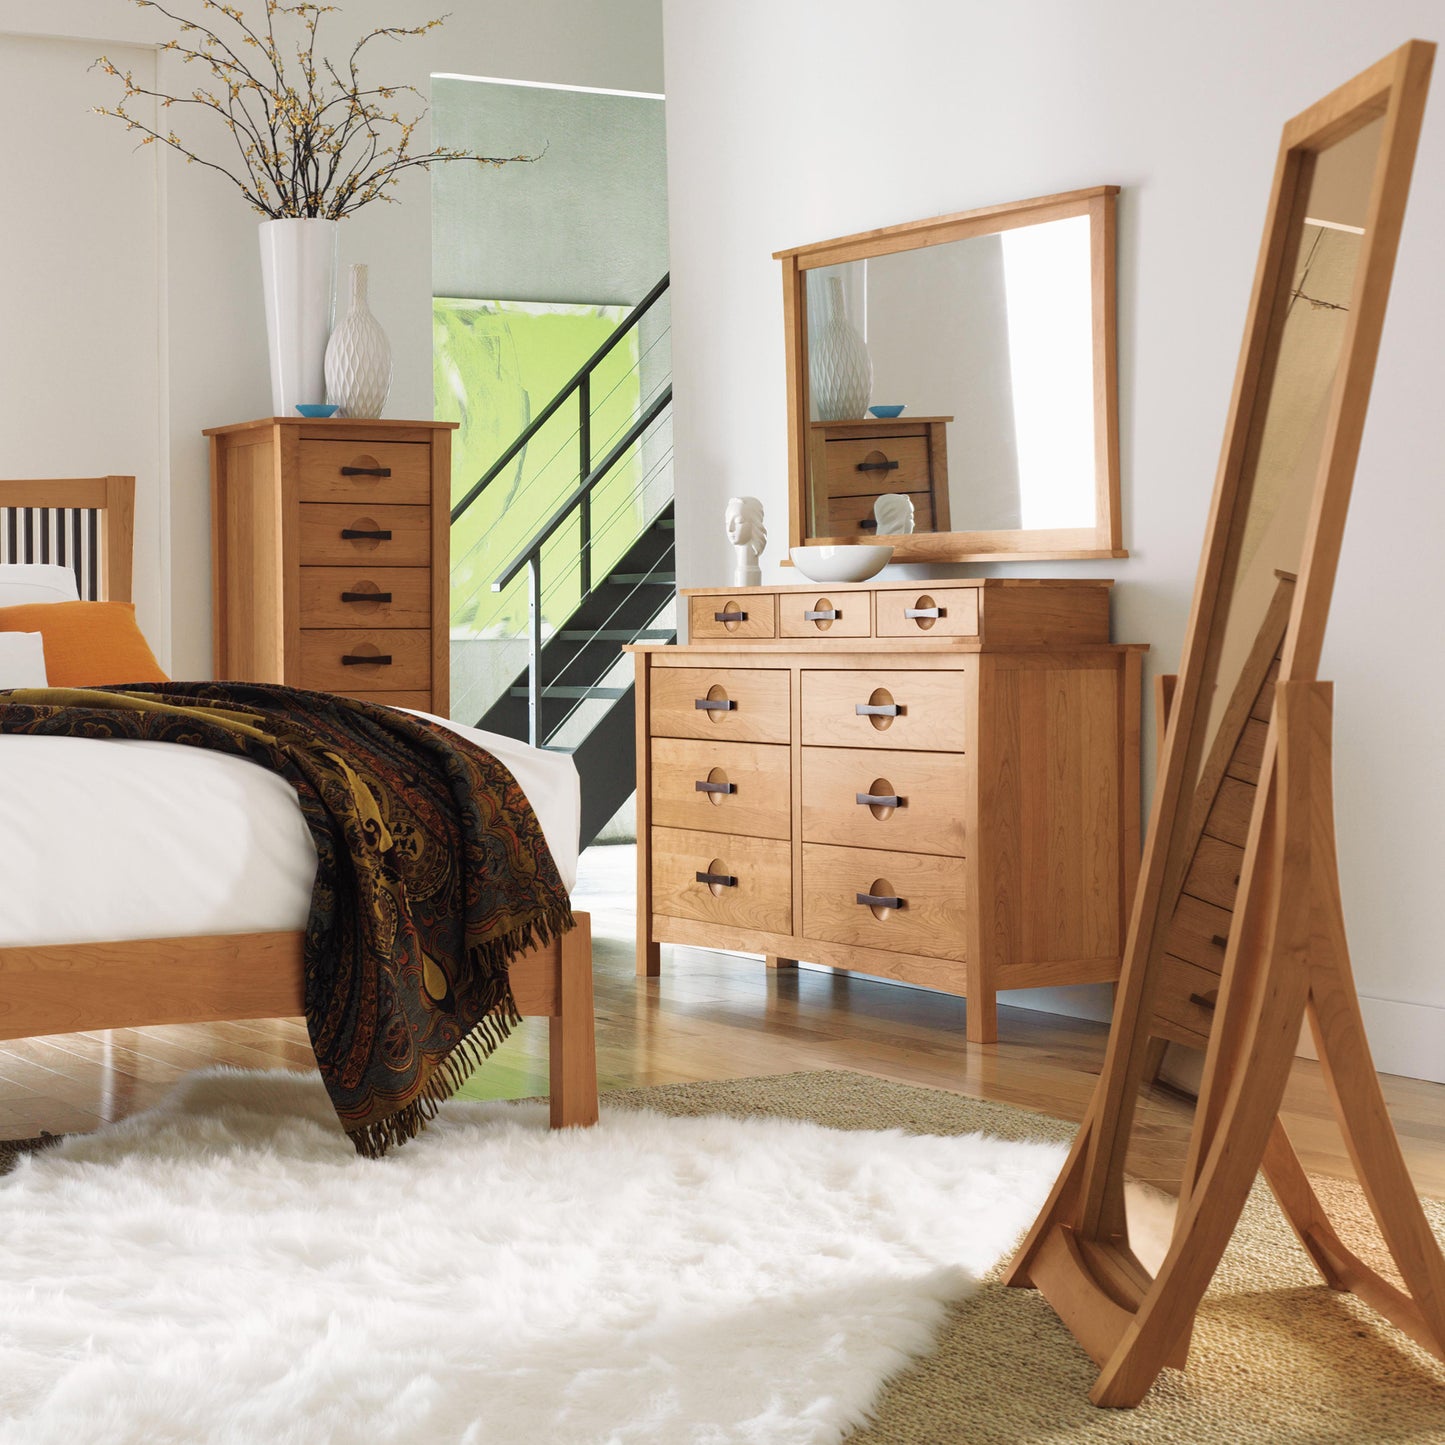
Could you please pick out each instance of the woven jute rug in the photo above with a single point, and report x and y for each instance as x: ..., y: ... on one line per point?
x: 1277, y: 1358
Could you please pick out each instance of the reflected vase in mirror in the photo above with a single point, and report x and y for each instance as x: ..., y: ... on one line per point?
x: 842, y: 373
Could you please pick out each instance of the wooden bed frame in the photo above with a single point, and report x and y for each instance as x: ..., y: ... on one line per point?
x: 72, y: 988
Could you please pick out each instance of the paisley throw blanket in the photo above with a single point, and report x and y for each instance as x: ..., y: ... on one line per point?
x: 432, y: 874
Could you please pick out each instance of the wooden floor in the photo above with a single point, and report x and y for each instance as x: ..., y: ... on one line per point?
x: 712, y: 1015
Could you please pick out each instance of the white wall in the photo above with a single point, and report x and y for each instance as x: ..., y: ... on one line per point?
x: 213, y: 349
x: 794, y: 120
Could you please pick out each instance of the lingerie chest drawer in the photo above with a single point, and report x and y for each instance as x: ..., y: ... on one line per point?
x: 722, y: 787
x: 875, y: 464
x: 366, y: 660
x: 368, y: 471
x: 722, y: 704
x: 720, y: 878
x: 746, y: 617
x: 887, y: 709
x: 898, y: 902
x: 910, y: 802
x: 366, y: 596
x: 341, y: 535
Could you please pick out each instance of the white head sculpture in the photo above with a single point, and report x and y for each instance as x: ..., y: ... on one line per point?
x: 744, y: 521
x: 895, y: 515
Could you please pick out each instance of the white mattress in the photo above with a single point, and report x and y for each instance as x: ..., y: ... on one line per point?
x: 107, y: 840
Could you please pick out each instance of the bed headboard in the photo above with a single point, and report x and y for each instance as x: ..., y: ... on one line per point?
x: 85, y: 523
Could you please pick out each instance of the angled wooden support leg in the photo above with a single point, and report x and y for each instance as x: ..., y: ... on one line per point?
x: 573, y: 1036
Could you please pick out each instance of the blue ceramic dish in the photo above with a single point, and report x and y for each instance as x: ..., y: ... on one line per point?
x: 883, y: 411
x: 312, y: 408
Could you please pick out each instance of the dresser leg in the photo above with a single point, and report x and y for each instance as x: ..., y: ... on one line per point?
x: 773, y: 961
x: 649, y: 958
x: 981, y: 1017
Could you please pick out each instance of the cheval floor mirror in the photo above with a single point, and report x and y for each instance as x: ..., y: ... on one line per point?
x: 1238, y: 934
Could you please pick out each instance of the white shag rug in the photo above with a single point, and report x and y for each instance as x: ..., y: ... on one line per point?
x: 225, y: 1269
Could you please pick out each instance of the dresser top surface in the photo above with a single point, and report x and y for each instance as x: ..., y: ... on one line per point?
x: 338, y: 428
x: 907, y: 584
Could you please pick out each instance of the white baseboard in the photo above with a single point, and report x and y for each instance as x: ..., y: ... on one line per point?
x: 1405, y: 1038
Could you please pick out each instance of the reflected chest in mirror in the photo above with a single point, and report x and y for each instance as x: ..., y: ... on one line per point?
x: 951, y: 384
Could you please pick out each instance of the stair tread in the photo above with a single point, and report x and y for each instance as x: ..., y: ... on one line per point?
x: 610, y: 694
x: 644, y: 634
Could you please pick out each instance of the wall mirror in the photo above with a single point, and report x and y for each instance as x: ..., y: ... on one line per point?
x: 1238, y: 933
x: 993, y: 331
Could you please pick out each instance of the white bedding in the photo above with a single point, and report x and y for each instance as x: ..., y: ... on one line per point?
x: 109, y: 840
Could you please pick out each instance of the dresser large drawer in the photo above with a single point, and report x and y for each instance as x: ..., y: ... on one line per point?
x: 366, y: 596
x: 726, y: 704
x: 741, y: 788
x: 922, y: 709
x: 877, y: 464
x: 909, y: 802
x: 825, y: 614
x: 747, y: 882
x: 366, y: 660
x: 929, y: 612
x: 749, y: 616
x: 341, y: 535
x: 371, y: 471
x: 923, y: 900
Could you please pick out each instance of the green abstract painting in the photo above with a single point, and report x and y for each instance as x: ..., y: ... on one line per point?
x: 496, y: 366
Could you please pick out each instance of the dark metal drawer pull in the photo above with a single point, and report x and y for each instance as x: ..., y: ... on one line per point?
x: 877, y: 466
x: 879, y: 800
x: 382, y: 659
x: 714, y: 704
x: 722, y: 880
x: 366, y: 596
x: 705, y: 787
x: 366, y: 471
x: 1219, y: 941
x: 1203, y: 1002
x: 350, y: 534
x: 874, y: 900
x: 825, y: 614
x: 924, y: 612
x: 878, y: 709
x: 869, y: 524
x: 730, y: 617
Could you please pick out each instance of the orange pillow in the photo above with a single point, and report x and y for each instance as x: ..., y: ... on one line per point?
x: 87, y: 644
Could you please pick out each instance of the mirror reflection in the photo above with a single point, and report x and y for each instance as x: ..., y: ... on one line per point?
x: 1287, y: 440
x: 986, y: 345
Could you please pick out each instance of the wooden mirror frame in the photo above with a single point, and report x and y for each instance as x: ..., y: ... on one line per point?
x: 1286, y: 957
x: 1103, y: 539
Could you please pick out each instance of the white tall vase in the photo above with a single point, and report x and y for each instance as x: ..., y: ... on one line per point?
x: 842, y: 371
x: 298, y: 275
x: 358, y: 357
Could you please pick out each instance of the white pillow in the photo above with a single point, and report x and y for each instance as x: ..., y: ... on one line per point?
x: 22, y: 660
x: 22, y: 582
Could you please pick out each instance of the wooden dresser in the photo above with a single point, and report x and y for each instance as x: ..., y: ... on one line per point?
x: 853, y: 463
x: 330, y: 556
x: 937, y: 783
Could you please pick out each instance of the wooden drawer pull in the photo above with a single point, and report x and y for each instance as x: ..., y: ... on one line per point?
x: 822, y: 614
x: 350, y: 534
x: 879, y: 800
x: 925, y: 612
x: 703, y: 786
x: 366, y: 471
x: 366, y: 596
x: 714, y: 704
x: 878, y: 709
x: 730, y: 617
x: 380, y: 659
x: 878, y: 900
x: 719, y: 880
x: 878, y: 466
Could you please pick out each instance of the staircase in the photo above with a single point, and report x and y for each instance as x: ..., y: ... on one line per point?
x: 574, y: 693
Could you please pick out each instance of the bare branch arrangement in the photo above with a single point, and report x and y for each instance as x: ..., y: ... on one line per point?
x: 312, y: 141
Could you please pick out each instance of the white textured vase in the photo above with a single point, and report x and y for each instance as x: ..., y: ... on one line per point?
x: 358, y: 357
x: 842, y: 372
x: 298, y: 275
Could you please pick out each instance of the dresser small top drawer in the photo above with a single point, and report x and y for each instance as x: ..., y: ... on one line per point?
x: 929, y: 612
x: 877, y: 464
x: 721, y: 703
x: 749, y: 615
x: 722, y: 787
x: 825, y: 614
x: 723, y: 879
x: 911, y: 802
x: 366, y: 596
x: 369, y: 471
x: 365, y: 660
x: 922, y: 709
x: 341, y: 535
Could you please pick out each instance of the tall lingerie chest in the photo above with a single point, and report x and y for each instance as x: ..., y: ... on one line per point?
x: 935, y: 783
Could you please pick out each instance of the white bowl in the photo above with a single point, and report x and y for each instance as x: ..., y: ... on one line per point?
x: 854, y: 562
